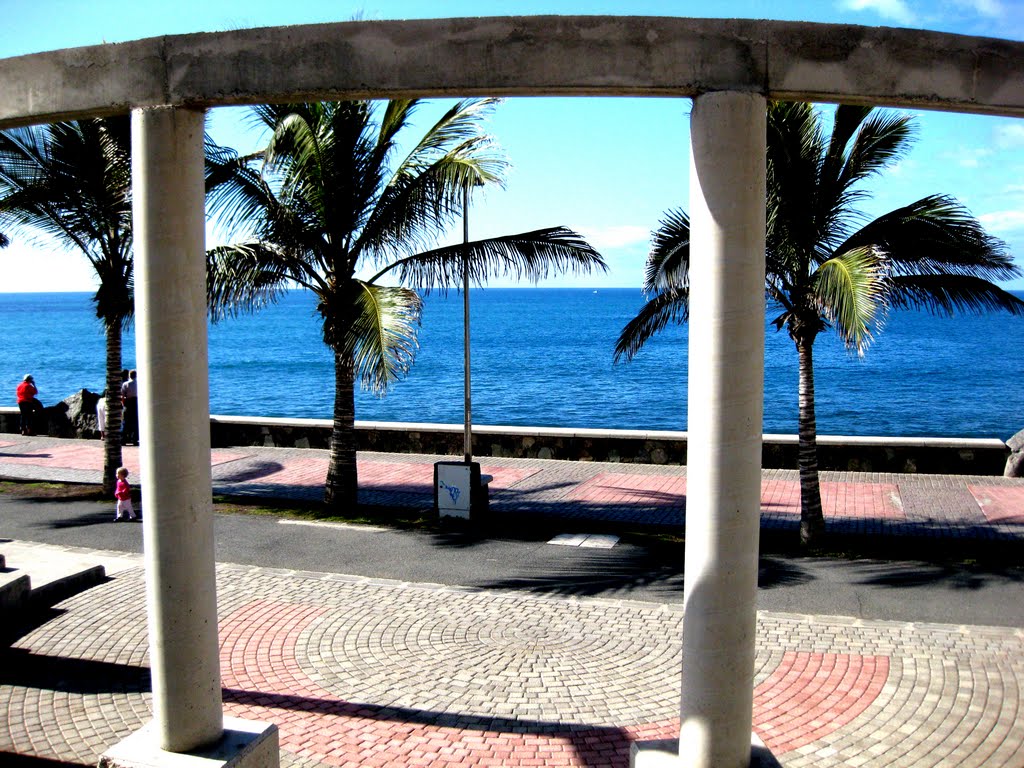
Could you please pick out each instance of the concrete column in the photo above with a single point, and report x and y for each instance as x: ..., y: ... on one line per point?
x: 724, y: 411
x: 171, y: 352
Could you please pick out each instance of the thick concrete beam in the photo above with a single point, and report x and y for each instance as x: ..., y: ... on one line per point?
x: 532, y: 55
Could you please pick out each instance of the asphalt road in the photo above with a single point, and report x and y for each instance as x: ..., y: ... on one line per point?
x: 870, y: 589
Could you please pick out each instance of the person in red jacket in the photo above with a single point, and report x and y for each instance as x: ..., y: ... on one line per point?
x: 28, y: 404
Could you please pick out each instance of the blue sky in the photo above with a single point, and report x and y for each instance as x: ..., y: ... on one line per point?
x: 607, y: 168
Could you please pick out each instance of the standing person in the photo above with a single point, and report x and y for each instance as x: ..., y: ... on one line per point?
x: 28, y: 404
x: 101, y: 414
x: 123, y: 494
x: 130, y: 402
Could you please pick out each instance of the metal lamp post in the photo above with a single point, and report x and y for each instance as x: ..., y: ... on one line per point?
x: 459, y: 489
x: 468, y: 418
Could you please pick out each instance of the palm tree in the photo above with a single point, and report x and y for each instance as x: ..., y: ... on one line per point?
x: 824, y: 267
x: 327, y: 198
x: 70, y: 182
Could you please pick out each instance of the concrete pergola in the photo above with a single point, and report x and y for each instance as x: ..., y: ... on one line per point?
x: 728, y: 67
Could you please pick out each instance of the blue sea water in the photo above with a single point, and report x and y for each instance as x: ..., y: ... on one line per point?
x: 544, y: 357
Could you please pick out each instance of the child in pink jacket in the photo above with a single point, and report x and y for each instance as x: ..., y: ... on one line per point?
x: 123, y: 494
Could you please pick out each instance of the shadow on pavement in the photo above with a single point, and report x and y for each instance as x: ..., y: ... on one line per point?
x: 10, y: 760
x: 81, y: 676
x: 251, y: 471
x: 967, y: 578
x: 776, y: 572
x: 80, y: 521
x: 592, y: 745
x: 602, y: 572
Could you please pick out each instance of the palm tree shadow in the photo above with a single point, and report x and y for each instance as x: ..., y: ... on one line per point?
x: 250, y: 471
x: 777, y: 572
x: 966, y: 578
x: 599, y: 575
x: 82, y: 521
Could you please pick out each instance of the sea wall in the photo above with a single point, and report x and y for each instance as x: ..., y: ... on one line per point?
x: 857, y: 454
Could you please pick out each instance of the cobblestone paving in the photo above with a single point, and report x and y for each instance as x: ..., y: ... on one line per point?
x: 360, y: 672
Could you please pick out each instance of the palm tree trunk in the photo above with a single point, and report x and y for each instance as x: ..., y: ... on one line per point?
x: 341, y: 492
x: 112, y: 437
x: 812, y: 521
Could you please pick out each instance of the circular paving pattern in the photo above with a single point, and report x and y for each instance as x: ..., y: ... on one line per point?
x: 480, y: 655
x: 357, y: 673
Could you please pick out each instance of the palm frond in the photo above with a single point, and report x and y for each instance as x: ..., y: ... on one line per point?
x: 381, y: 339
x: 670, y: 306
x: 461, y: 123
x: 424, y: 194
x: 936, y: 235
x: 948, y: 294
x: 70, y: 182
x: 528, y: 255
x: 668, y: 262
x: 420, y: 202
x: 245, y: 277
x: 795, y: 145
x: 851, y: 290
x: 882, y: 138
x: 242, y: 204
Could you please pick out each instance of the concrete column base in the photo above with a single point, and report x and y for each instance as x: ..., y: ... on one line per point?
x: 245, y: 744
x: 665, y: 754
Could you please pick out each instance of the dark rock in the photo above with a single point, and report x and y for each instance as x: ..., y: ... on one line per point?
x: 1014, y: 465
x: 79, y: 415
x: 55, y: 418
x: 1016, y: 443
x: 1015, y: 461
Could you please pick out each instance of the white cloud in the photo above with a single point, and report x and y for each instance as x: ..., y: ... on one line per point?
x: 897, y: 10
x: 900, y: 167
x: 1009, y: 135
x: 1000, y: 222
x: 616, y: 237
x: 991, y: 8
x: 968, y: 158
x: 31, y: 267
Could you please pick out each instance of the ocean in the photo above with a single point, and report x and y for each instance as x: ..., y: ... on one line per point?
x: 543, y: 357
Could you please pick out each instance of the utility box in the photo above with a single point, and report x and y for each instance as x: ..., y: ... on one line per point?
x: 460, y: 490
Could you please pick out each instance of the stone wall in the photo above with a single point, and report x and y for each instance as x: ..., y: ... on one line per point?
x: 857, y: 454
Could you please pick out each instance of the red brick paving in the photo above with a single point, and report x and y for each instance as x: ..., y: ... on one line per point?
x: 1000, y: 504
x: 90, y: 457
x: 264, y: 681
x: 616, y: 488
x: 778, y: 497
x: 854, y: 500
x: 806, y: 698
x: 380, y: 475
x: 810, y: 695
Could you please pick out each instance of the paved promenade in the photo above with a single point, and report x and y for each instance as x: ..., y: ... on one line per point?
x: 370, y: 672
x: 939, y: 506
